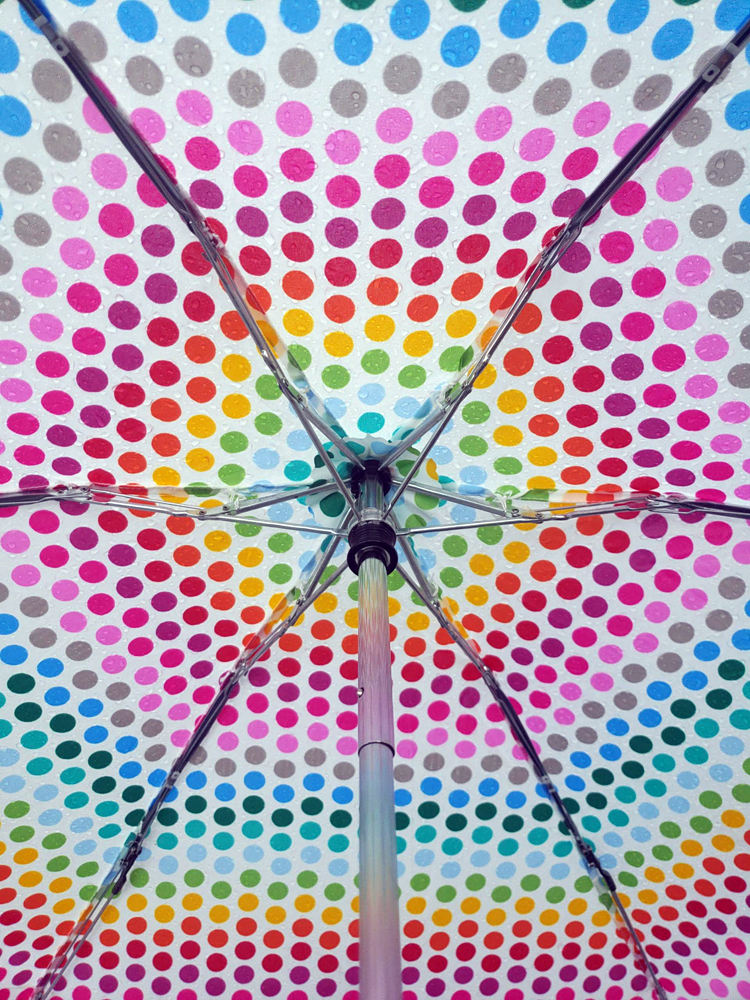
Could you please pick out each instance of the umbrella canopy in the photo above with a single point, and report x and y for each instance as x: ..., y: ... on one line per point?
x: 490, y: 248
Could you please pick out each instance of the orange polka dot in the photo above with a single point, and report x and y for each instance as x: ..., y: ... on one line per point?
x: 467, y: 286
x: 201, y: 350
x: 339, y: 308
x: 552, y: 538
x: 503, y: 613
x: 575, y: 475
x: 165, y: 444
x: 518, y: 361
x: 297, y: 285
x: 201, y: 389
x: 529, y: 319
x: 422, y: 308
x: 232, y: 326
x: 132, y: 462
x: 261, y: 295
x: 382, y: 291
x: 290, y: 643
x: 549, y: 389
x: 544, y: 425
x: 503, y: 298
x: 578, y: 447
x: 591, y: 525
x: 166, y: 409
x: 187, y: 555
x: 543, y: 570
x: 179, y: 525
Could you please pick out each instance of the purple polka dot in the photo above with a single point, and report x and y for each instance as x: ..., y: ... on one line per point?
x: 296, y: 207
x: 388, y: 213
x: 341, y: 232
x: 124, y: 315
x: 431, y: 232
x: 160, y: 288
x: 128, y: 357
x: 479, y: 209
x: 627, y: 367
x: 206, y: 194
x: 518, y: 226
x: 606, y: 292
x: 596, y: 336
x: 252, y: 221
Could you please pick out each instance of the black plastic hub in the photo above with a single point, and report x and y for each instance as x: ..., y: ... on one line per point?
x: 372, y: 540
x: 371, y: 470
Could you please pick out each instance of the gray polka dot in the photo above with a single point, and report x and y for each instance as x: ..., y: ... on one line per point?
x: 246, y: 88
x: 745, y: 338
x: 557, y: 742
x: 669, y: 662
x: 552, y: 96
x: 693, y: 129
x: 51, y: 81
x: 10, y: 307
x: 725, y: 304
x: 152, y: 727
x: 402, y: 74
x: 461, y: 774
x: 193, y: 56
x: 32, y: 229
x: 315, y: 757
x: 593, y: 710
x: 585, y: 734
x: 157, y: 751
x: 34, y: 607
x: 450, y: 99
x: 118, y: 691
x: 732, y: 588
x: 625, y: 701
x: 652, y: 92
x: 78, y: 650
x: 62, y: 142
x: 144, y: 76
x: 6, y: 260
x: 255, y: 755
x: 681, y: 632
x: 22, y: 176
x: 89, y: 41
x: 724, y: 168
x: 708, y: 221
x: 434, y: 761
x: 42, y: 638
x: 739, y: 376
x: 298, y: 68
x: 3, y: 592
x: 708, y: 57
x: 225, y: 767
x: 348, y: 98
x: 719, y: 620
x: 492, y: 762
x: 85, y: 679
x: 122, y: 717
x: 344, y: 771
x: 403, y: 773
x: 506, y: 73
x: 736, y: 257
x: 610, y: 69
x: 633, y: 673
x: 284, y: 769
x: 518, y: 775
x: 552, y: 766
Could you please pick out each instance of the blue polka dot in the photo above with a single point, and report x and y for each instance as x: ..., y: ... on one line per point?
x: 13, y: 655
x: 255, y: 780
x: 458, y: 799
x: 567, y: 42
x: 401, y: 797
x: 580, y: 759
x: 342, y: 795
x: 706, y: 650
x: 371, y: 393
x: 649, y: 717
x: 460, y: 46
x: 132, y: 769
x: 27, y: 20
x: 14, y: 116
x: 98, y: 734
x: 126, y: 743
x: 514, y: 800
x: 57, y: 696
x: 283, y: 793
x: 225, y: 792
x: 409, y: 19
x: 353, y: 44
x: 8, y: 624
x: 618, y: 727
x: 575, y: 783
x: 626, y: 15
x: 246, y: 34
x: 196, y: 779
x: 90, y: 707
x: 8, y: 53
x: 519, y: 17
x: 610, y: 752
x: 737, y: 112
x: 82, y: 3
x: 50, y: 667
x: 299, y: 15
x: 190, y: 10
x: 431, y: 786
x: 488, y: 787
x: 313, y: 782
x: 266, y: 458
x: 745, y: 209
x: 137, y: 20
x: 695, y: 680
x: 741, y: 639
x: 659, y: 690
x: 730, y: 14
x: 672, y: 39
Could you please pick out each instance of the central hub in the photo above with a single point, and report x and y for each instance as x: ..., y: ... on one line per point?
x: 371, y: 537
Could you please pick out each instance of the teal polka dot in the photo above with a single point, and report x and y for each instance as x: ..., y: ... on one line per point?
x: 409, y: 19
x: 8, y: 53
x: 460, y: 46
x: 353, y: 44
x: 15, y: 119
x: 297, y: 471
x: 672, y: 39
x: 566, y: 43
x: 137, y: 20
x: 737, y: 112
x: 246, y: 34
x: 371, y: 423
x: 300, y: 16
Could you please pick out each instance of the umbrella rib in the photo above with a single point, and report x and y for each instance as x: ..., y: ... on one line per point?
x: 212, y: 248
x: 424, y: 590
x: 451, y: 396
x: 115, y: 881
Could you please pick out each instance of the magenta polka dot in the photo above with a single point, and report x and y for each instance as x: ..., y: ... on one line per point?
x: 680, y: 315
x: 116, y: 220
x: 493, y: 123
x: 580, y: 163
x: 486, y: 169
x: 46, y: 327
x: 648, y: 282
x: 250, y: 181
x: 712, y: 347
x: 109, y: 171
x: 148, y: 124
x: 591, y: 119
x: 342, y: 147
x: 394, y: 125
x: 536, y: 144
x: 87, y: 340
x: 616, y: 247
x: 440, y: 148
x: 668, y: 357
x: 245, y: 137
x: 294, y: 118
x: 70, y: 203
x: 83, y: 297
x: 436, y: 192
x: 203, y: 153
x: 629, y: 200
x: 343, y: 191
x: 77, y: 253
x: 52, y: 364
x: 194, y: 107
x: 674, y: 184
x: 39, y: 282
x: 528, y: 187
x: 693, y: 270
x: 392, y: 171
x: 297, y: 165
x: 120, y: 269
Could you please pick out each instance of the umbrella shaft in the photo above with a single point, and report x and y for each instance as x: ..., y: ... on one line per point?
x: 379, y: 948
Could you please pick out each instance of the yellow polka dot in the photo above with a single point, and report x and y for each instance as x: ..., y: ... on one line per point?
x: 654, y: 874
x: 442, y: 917
x: 542, y: 456
x: 418, y: 621
x: 430, y: 467
x: 251, y: 586
x: 723, y: 843
x: 164, y: 476
x: 247, y: 902
x: 164, y: 914
x: 65, y: 906
x: 476, y: 595
x: 269, y: 334
x: 419, y: 343
x: 352, y: 618
x: 275, y: 914
x: 487, y: 378
x: 692, y: 848
x: 516, y: 552
x: 59, y: 884
x: 304, y: 903
x: 217, y: 541
x: 460, y: 323
x: 577, y: 906
x: 600, y: 919
x: 136, y: 902
x: 648, y: 897
x: 511, y: 401
x: 25, y: 856
x: 481, y: 564
x: 549, y: 917
x: 394, y: 607
x: 250, y: 557
x: 380, y: 327
x: 298, y: 322
x: 733, y: 818
x: 192, y: 901
x: 525, y: 904
x: 338, y: 344
x: 236, y: 367
x: 236, y: 406
x: 496, y: 917
x: 416, y: 905
x: 525, y: 527
x: 111, y: 915
x: 355, y: 904
x: 541, y: 483
x: 507, y: 436
x: 199, y: 459
x: 201, y: 426
x: 332, y: 915
x: 683, y: 870
x: 30, y: 879
x: 326, y: 603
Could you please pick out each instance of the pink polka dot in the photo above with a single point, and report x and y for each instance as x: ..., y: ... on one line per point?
x: 564, y: 717
x: 694, y: 599
x: 245, y: 137
x: 39, y: 282
x: 109, y: 171
x: 46, y: 327
x: 70, y: 203
x: 570, y: 691
x: 179, y: 738
x: 628, y: 137
x: 392, y: 171
x: 65, y: 590
x: 656, y: 611
x: 601, y: 682
x: 294, y: 118
x: 734, y: 413
x: 693, y: 270
x: 701, y: 386
x: 493, y: 123
x: 228, y: 741
x: 148, y: 124
x: 73, y: 621
x: 536, y: 144
x: 407, y: 749
x: 591, y: 119
x: 661, y: 234
x: 94, y: 118
x: 610, y: 654
x: 712, y: 347
x: 15, y: 390
x: 318, y: 731
x: 680, y: 315
x: 347, y: 746
x: 194, y: 107
x: 77, y: 253
x: 342, y: 147
x: 440, y: 148
x: 674, y: 184
x: 150, y: 702
x: 741, y: 553
x: 25, y: 575
x: 394, y: 125
x: 726, y: 444
x: 465, y: 749
x: 706, y: 566
x: 580, y: 163
x: 645, y: 642
x: 12, y: 352
x: 15, y: 541
x: 257, y: 729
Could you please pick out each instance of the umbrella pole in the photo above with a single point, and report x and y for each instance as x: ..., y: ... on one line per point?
x: 372, y: 555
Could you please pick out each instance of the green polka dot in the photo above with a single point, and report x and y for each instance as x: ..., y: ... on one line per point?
x: 332, y: 505
x: 21, y: 683
x: 473, y: 445
x: 445, y: 894
x: 21, y: 834
x: 530, y: 883
x: 710, y: 799
x: 280, y: 573
x: 451, y: 358
x: 231, y: 474
x: 268, y: 423
x: 250, y: 878
x: 741, y: 793
x: 455, y: 546
x: 682, y: 709
x: 451, y: 577
x: 507, y: 466
x: 282, y: 541
x: 267, y: 387
x: 233, y: 441
x: 476, y: 412
x: 420, y: 882
x: 335, y: 376
x: 28, y: 711
x: 718, y: 699
x: 412, y: 376
x: 555, y: 895
x: 300, y: 356
x: 278, y: 890
x: 358, y: 4
x: 663, y: 853
x: 731, y: 670
x: 247, y: 529
x: 307, y: 879
x: 375, y: 362
x: 68, y: 750
x: 501, y: 894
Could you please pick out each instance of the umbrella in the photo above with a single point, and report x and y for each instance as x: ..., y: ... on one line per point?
x: 393, y: 436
